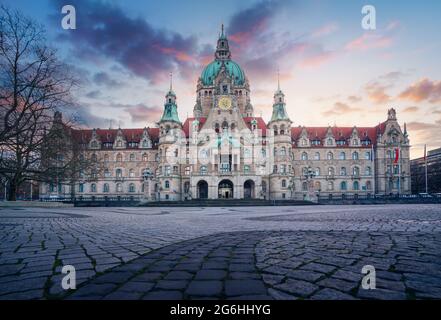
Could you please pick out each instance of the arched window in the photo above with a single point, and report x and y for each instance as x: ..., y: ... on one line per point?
x: 331, y: 171
x: 367, y: 155
x: 355, y: 155
x: 283, y: 183
x: 167, y: 184
x: 144, y: 157
x: 131, y: 187
x: 317, y: 156
x: 304, y: 156
x: 330, y: 185
x: 356, y: 171
x: 317, y: 171
x: 330, y: 156
x: 119, y: 187
x: 282, y: 129
x: 131, y: 173
x: 275, y: 152
x: 343, y: 186
x: 342, y: 156
x: 119, y: 157
x: 106, y: 188
x: 132, y: 157
x: 329, y: 142
x: 342, y: 171
x: 275, y: 130
x: 187, y: 171
x: 80, y: 187
x: 356, y: 185
x: 203, y: 170
x: 118, y: 173
x: 275, y: 168
x: 368, y: 171
x: 305, y: 171
x: 107, y: 173
x: 264, y: 186
x: 318, y: 186
x: 283, y: 151
x: 305, y: 186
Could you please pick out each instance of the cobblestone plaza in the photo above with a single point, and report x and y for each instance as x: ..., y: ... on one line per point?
x: 305, y: 252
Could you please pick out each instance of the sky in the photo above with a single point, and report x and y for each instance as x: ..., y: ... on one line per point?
x: 332, y: 71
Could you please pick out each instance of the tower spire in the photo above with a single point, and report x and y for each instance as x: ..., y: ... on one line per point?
x: 171, y: 81
x: 278, y: 79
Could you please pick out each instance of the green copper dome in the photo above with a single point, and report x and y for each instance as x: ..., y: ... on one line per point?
x: 170, y: 113
x: 211, y: 71
x: 279, y: 112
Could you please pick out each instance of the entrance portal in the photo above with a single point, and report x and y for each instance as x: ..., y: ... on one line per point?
x: 248, y: 189
x: 202, y: 188
x: 225, y: 190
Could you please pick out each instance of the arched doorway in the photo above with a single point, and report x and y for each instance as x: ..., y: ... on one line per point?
x: 202, y: 188
x: 248, y: 189
x: 225, y: 189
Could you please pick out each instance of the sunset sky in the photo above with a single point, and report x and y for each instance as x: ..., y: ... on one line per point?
x: 331, y: 70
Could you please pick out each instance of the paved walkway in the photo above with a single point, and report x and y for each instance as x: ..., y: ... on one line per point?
x: 220, y: 253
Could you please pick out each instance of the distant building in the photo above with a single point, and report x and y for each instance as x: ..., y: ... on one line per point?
x: 226, y: 151
x: 418, y: 168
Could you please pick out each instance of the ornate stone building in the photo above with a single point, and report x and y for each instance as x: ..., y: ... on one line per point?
x: 225, y: 151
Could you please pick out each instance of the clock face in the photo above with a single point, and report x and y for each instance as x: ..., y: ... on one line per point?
x: 225, y: 103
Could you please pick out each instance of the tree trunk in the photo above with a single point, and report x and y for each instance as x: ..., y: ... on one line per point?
x: 12, y: 194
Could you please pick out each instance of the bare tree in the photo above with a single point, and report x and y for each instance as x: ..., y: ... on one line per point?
x: 34, y: 83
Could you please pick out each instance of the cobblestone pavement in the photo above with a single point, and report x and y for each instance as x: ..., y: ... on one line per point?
x: 314, y: 252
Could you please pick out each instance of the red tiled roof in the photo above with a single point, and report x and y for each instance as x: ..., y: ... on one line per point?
x: 339, y: 133
x: 109, y: 135
x: 186, y: 125
x: 134, y: 135
x: 260, y: 124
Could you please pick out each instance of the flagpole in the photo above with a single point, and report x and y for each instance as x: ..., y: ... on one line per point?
x: 425, y: 167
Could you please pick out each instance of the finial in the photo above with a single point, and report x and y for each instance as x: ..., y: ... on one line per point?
x: 171, y: 81
x: 222, y: 30
x: 278, y: 79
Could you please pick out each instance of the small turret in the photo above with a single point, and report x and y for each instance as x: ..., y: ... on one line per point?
x: 170, y: 108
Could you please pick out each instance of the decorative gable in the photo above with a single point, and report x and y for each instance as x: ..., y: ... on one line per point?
x: 146, y: 141
x: 120, y: 140
x: 355, y: 138
x: 95, y: 142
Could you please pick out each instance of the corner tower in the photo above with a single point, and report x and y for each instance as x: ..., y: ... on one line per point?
x: 281, y: 176
x: 170, y: 129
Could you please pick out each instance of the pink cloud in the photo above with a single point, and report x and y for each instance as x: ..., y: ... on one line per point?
x: 325, y: 30
x: 317, y: 60
x: 369, y: 41
x: 376, y: 92
x: 340, y: 108
x: 424, y: 89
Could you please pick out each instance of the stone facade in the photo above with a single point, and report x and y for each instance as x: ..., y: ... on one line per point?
x: 224, y: 151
